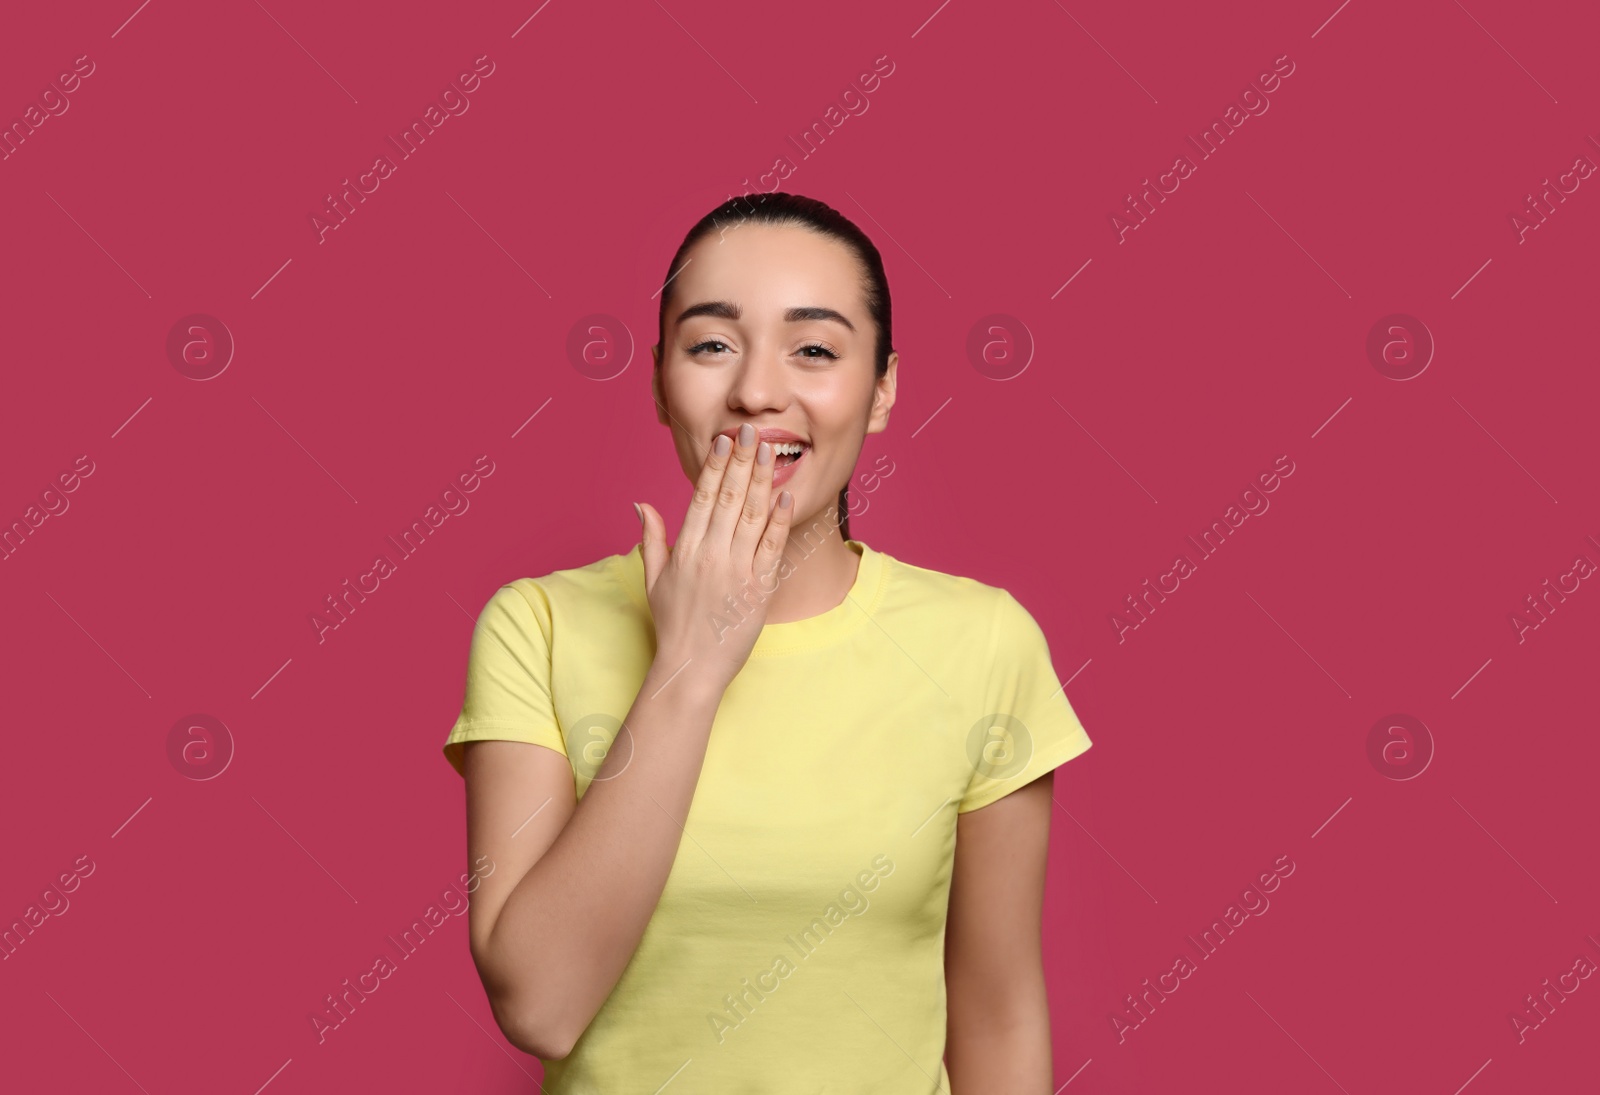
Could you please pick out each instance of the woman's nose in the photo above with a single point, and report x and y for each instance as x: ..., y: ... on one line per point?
x: 758, y: 384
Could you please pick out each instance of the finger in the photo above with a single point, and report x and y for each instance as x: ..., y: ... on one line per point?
x: 757, y: 505
x: 698, y: 519
x: 773, y: 540
x: 653, y: 544
x: 730, y: 499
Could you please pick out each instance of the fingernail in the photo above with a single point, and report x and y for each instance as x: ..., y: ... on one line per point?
x: 640, y: 512
x: 763, y: 453
x: 784, y: 498
x: 723, y: 444
x: 747, y: 434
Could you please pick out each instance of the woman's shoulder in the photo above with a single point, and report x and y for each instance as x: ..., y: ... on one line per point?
x: 942, y: 591
x: 610, y: 578
x: 983, y: 618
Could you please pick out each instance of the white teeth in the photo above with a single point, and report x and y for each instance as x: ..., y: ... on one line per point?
x: 787, y: 448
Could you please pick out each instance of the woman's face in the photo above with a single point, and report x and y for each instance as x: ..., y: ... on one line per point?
x: 768, y: 325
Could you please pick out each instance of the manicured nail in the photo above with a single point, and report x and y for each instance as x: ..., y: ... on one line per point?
x: 763, y: 453
x: 640, y: 512
x: 747, y: 434
x: 784, y: 499
x: 722, y: 445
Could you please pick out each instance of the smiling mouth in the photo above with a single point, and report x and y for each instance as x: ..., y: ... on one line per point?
x: 783, y: 460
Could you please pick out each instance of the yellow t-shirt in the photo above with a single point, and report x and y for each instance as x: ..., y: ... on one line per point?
x: 798, y: 946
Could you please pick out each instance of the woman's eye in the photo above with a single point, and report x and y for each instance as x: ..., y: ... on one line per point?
x: 821, y: 351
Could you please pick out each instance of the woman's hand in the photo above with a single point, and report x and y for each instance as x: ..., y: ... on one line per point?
x: 709, y: 591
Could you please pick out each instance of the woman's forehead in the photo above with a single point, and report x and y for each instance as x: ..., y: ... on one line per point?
x: 764, y: 272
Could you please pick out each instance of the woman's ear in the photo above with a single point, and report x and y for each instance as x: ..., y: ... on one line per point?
x: 655, y: 385
x: 883, y: 396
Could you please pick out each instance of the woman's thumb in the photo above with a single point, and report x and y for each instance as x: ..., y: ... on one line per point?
x: 651, y: 540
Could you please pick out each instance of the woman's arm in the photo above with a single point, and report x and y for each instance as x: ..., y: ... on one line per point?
x: 998, y: 1029
x: 552, y: 936
x: 575, y: 882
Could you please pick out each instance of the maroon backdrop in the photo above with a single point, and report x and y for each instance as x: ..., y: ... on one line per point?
x: 1319, y: 280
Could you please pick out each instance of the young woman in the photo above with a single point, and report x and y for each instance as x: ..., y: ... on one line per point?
x: 783, y: 823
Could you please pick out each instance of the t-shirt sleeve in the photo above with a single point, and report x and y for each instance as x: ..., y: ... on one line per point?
x: 507, y: 696
x: 1027, y: 727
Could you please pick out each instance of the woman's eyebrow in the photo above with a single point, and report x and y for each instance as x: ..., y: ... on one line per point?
x: 726, y: 309
x: 719, y: 309
x: 798, y: 315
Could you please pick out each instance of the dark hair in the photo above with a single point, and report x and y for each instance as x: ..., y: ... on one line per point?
x: 779, y: 208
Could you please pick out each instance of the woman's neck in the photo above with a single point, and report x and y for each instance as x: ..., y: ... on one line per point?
x: 815, y: 574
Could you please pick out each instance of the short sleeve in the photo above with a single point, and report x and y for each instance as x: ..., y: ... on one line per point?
x: 507, y: 695
x: 1027, y: 728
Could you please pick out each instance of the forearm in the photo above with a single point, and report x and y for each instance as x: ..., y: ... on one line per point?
x: 1001, y: 1051
x: 572, y: 923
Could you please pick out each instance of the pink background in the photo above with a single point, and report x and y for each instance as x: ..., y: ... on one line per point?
x: 1169, y: 370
